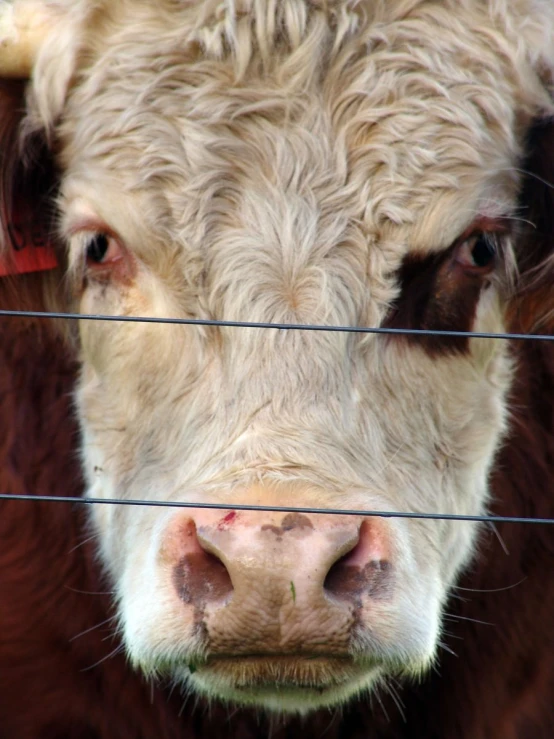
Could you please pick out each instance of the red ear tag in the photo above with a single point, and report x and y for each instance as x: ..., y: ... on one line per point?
x: 29, y: 253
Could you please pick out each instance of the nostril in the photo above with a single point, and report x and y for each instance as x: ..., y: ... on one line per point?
x: 200, y: 576
x: 364, y: 569
x: 346, y: 580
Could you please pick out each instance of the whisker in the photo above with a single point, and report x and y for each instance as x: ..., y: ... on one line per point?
x: 455, y: 617
x: 172, y: 687
x: 232, y: 713
x: 378, y: 697
x: 89, y: 592
x: 92, y: 628
x: 446, y: 648
x: 435, y: 667
x: 459, y: 598
x: 500, y: 539
x: 186, y: 699
x: 520, y: 219
x: 81, y: 543
x: 490, y: 590
x: 335, y: 716
x: 113, y: 653
x: 527, y: 173
x: 392, y: 691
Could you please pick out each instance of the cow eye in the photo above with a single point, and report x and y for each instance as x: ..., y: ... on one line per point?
x: 101, y: 248
x: 97, y: 248
x: 477, y: 253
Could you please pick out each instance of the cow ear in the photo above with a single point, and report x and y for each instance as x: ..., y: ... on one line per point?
x: 532, y: 308
x: 30, y: 274
x: 31, y: 266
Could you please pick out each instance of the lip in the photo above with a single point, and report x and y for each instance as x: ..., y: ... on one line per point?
x: 282, y: 672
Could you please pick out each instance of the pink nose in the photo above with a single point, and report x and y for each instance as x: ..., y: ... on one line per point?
x: 277, y: 582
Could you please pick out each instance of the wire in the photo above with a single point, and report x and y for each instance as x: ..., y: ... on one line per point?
x: 282, y: 509
x: 278, y: 326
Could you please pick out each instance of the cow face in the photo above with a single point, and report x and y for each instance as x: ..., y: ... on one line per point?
x: 327, y: 163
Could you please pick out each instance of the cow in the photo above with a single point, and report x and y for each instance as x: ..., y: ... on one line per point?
x: 338, y: 163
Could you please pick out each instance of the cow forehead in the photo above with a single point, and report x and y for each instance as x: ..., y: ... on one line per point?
x: 391, y: 123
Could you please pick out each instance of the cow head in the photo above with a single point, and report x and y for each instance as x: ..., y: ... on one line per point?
x: 342, y: 163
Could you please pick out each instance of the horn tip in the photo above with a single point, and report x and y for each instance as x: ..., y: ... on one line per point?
x: 22, y: 27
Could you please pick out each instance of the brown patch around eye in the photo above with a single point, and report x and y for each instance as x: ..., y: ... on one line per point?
x: 436, y: 294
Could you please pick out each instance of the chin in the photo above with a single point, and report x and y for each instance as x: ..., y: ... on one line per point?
x: 284, y: 685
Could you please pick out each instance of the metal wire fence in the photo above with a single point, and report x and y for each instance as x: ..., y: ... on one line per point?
x: 492, y: 519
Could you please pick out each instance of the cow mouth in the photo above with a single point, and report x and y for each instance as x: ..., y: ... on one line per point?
x: 291, y: 684
x: 275, y: 672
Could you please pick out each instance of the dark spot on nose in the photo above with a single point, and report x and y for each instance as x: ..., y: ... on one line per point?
x: 295, y: 521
